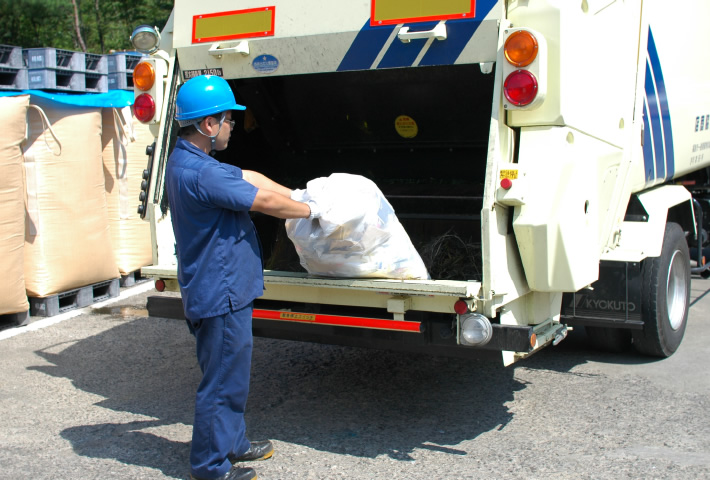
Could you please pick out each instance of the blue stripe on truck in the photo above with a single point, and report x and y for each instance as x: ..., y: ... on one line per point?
x: 657, y: 120
x: 365, y: 48
x: 649, y: 170
x: 458, y: 34
x: 370, y: 41
x: 663, y: 103
x: 404, y: 54
x: 656, y: 125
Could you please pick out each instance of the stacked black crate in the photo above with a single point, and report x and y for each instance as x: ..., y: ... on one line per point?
x: 120, y: 69
x: 96, y: 73
x: 13, y: 74
x: 55, y: 69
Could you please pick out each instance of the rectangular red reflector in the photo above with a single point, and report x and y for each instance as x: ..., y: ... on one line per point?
x: 339, y: 321
x: 253, y: 22
x: 393, y: 12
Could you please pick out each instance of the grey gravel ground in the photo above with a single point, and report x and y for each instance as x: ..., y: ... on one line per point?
x: 109, y: 394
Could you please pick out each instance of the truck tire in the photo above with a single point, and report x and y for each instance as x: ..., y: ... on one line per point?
x: 666, y: 296
x: 614, y: 340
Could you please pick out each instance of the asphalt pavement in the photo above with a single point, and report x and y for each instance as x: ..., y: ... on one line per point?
x: 107, y: 392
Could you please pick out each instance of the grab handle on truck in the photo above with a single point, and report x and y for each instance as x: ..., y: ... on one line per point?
x: 217, y: 49
x: 438, y: 32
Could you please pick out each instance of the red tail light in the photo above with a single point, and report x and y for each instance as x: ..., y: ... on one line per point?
x: 520, y: 88
x: 461, y: 307
x: 144, y: 107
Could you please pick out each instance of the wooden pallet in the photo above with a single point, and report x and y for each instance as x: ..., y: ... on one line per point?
x: 72, y: 299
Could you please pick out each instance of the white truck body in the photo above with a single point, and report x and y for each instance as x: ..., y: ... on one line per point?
x: 622, y: 116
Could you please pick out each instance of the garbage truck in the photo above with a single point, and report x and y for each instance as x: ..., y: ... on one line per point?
x: 546, y: 159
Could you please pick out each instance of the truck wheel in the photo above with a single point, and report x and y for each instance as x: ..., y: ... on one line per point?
x: 666, y: 296
x: 615, y: 340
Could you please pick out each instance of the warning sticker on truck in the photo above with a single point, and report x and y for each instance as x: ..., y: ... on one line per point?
x: 304, y: 317
x: 511, y: 174
x: 406, y: 126
x: 393, y: 12
x: 252, y: 22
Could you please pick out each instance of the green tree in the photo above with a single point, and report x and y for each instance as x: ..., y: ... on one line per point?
x: 36, y: 23
x: 100, y: 25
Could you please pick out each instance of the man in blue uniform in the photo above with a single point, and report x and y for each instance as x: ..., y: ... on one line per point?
x: 220, y: 271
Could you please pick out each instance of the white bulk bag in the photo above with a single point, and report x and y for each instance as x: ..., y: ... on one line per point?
x: 67, y: 237
x: 13, y: 128
x: 123, y: 140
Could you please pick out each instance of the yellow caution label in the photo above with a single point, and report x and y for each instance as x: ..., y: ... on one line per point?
x: 297, y: 316
x: 386, y: 12
x: 511, y: 174
x: 254, y: 22
x: 406, y: 126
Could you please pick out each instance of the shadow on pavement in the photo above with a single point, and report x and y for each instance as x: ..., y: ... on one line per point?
x: 126, y: 443
x: 368, y: 403
x: 336, y: 399
x: 343, y: 400
x: 145, y: 368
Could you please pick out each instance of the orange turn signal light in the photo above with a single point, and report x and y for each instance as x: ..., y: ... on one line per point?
x: 144, y: 76
x: 521, y: 48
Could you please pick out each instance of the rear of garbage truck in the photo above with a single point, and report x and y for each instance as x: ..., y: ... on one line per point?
x: 540, y: 155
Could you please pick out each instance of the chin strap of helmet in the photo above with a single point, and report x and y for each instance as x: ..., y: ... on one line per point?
x: 213, y: 138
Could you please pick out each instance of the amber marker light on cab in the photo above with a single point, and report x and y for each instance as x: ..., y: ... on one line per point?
x: 144, y: 76
x: 521, y: 48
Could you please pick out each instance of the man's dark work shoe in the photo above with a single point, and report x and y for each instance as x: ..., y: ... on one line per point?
x: 257, y: 451
x: 235, y: 473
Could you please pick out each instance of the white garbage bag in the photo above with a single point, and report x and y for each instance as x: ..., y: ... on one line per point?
x: 357, y: 235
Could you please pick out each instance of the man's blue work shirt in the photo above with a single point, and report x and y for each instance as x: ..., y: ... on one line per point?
x: 218, y: 251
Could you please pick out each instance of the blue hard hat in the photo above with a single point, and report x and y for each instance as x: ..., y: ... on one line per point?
x: 202, y: 96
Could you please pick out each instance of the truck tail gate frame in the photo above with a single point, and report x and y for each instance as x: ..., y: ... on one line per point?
x: 512, y: 338
x: 389, y: 333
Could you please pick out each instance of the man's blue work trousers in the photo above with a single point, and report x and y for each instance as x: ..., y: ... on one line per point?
x: 224, y: 346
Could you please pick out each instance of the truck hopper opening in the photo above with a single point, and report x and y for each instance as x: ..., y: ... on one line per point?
x: 420, y: 134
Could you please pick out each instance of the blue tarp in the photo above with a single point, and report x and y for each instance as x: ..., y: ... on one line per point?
x: 110, y: 99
